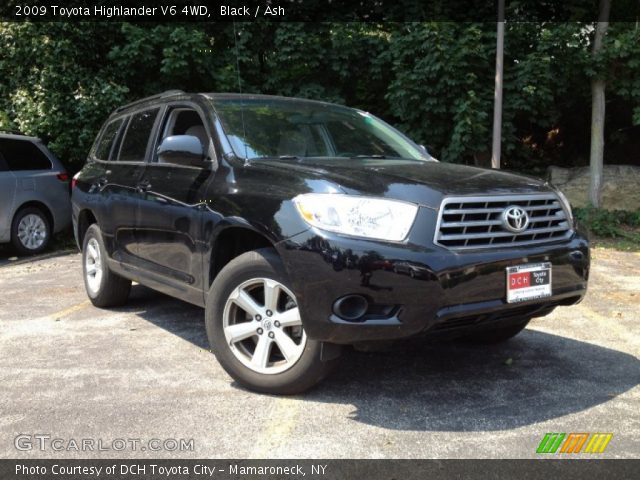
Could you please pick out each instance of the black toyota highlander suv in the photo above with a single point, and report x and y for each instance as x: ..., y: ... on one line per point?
x: 302, y: 226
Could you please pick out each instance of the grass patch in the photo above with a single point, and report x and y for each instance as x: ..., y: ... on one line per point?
x: 63, y: 241
x: 617, y: 229
x: 619, y: 244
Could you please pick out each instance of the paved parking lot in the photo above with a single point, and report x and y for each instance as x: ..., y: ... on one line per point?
x: 75, y: 372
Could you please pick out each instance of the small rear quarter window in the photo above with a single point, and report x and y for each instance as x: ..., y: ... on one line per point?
x: 136, y: 138
x: 23, y: 155
x: 107, y: 139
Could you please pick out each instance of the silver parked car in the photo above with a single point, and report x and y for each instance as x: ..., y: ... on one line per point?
x: 34, y: 194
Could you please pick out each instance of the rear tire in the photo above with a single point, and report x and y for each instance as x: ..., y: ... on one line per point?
x: 255, y: 330
x: 30, y: 231
x: 104, y: 287
x: 496, y: 335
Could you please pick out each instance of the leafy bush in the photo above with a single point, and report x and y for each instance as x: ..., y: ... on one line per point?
x: 608, y: 223
x: 434, y: 80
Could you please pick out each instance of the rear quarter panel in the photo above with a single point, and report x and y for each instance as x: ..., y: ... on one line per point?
x: 43, y: 186
x: 7, y: 202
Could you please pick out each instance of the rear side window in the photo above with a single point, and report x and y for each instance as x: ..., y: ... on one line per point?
x: 107, y: 139
x: 23, y: 155
x: 136, y: 138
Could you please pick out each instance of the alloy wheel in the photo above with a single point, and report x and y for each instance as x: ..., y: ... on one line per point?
x: 93, y: 265
x: 262, y: 326
x: 32, y: 231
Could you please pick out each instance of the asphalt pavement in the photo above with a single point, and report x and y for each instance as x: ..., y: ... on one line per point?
x: 143, y: 372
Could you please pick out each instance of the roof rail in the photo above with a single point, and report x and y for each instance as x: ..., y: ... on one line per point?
x: 146, y: 99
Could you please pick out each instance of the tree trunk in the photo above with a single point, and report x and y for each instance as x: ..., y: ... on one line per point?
x: 597, y: 140
x: 598, y: 86
x: 497, y: 102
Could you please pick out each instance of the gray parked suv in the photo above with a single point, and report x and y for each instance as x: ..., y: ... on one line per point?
x: 34, y: 194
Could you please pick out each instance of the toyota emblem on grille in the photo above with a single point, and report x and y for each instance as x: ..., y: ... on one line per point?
x: 515, y: 219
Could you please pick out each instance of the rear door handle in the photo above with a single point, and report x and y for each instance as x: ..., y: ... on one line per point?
x: 144, y: 186
x: 101, y: 182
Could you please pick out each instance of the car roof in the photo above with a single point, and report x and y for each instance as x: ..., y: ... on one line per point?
x: 255, y: 96
x: 213, y: 96
x: 19, y: 136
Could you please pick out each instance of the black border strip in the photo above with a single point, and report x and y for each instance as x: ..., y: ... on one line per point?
x: 135, y: 469
x: 326, y: 10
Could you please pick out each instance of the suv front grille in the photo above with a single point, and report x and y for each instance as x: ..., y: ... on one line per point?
x: 477, y: 222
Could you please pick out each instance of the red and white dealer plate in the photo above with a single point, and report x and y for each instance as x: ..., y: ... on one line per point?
x: 528, y: 282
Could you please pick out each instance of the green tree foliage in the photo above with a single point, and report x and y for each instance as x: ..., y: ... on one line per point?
x: 441, y: 88
x: 56, y: 84
x: 433, y: 80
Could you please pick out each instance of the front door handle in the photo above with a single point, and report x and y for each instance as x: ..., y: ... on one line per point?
x: 144, y: 186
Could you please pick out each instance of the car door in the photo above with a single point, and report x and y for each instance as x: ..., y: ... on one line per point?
x: 121, y: 184
x: 171, y: 209
x: 7, y: 198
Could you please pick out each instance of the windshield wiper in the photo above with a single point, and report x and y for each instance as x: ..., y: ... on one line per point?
x: 274, y: 157
x: 385, y: 157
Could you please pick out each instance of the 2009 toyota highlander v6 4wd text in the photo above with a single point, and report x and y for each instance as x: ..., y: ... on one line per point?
x: 302, y: 226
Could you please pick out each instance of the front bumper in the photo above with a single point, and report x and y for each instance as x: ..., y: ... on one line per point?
x: 420, y: 289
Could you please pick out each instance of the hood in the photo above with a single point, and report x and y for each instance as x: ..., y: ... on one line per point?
x: 414, y: 181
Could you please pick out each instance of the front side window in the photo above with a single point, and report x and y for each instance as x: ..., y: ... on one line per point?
x: 23, y: 155
x: 136, y: 138
x: 186, y: 121
x: 274, y: 128
x: 108, y: 138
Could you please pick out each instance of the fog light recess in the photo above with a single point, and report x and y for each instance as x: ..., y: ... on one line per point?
x: 351, y: 307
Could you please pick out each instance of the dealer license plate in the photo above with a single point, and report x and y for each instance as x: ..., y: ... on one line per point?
x: 528, y: 282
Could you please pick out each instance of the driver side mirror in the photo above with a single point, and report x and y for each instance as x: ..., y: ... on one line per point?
x: 181, y: 150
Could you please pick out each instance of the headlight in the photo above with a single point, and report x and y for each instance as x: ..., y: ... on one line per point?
x: 567, y: 206
x: 358, y: 216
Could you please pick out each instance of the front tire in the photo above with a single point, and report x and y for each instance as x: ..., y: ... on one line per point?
x: 255, y: 330
x: 104, y: 287
x: 30, y: 231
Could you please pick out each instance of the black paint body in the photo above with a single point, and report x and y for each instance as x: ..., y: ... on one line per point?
x: 161, y: 224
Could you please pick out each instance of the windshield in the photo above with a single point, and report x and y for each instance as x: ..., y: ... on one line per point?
x: 278, y: 128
